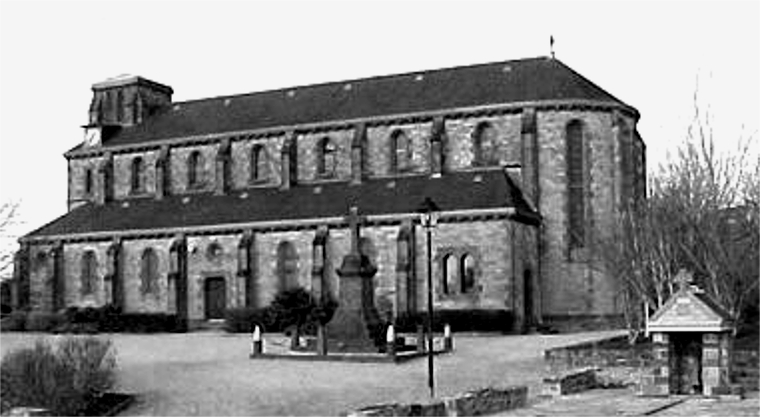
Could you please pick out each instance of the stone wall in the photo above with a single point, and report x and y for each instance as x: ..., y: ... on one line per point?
x: 472, y: 403
x: 308, y: 144
x: 122, y: 174
x: 630, y: 363
x: 241, y: 161
x: 72, y: 266
x: 179, y: 176
x: 379, y: 147
x: 489, y: 243
x: 569, y: 382
x: 136, y: 299
x: 567, y: 284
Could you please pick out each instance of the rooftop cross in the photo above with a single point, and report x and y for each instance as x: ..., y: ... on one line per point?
x: 354, y: 224
x: 683, y: 278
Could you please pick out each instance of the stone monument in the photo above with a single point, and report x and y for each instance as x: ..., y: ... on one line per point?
x: 356, y: 325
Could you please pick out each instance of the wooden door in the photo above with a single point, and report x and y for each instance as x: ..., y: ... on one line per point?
x: 215, y: 298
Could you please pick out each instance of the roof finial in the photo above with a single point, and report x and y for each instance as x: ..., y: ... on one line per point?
x: 551, y: 45
x: 684, y: 279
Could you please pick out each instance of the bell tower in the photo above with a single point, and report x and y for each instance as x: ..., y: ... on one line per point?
x: 123, y: 101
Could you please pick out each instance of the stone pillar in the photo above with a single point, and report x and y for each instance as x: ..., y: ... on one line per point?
x: 356, y: 325
x: 319, y: 286
x: 162, y: 173
x: 104, y: 180
x: 114, y: 273
x: 178, y: 271
x: 657, y: 381
x: 288, y: 164
x: 357, y: 153
x: 59, y: 278
x: 529, y: 155
x: 437, y: 146
x: 222, y: 168
x: 715, y: 362
x: 403, y: 269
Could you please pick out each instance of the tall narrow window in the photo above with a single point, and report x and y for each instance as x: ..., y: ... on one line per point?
x: 467, y: 273
x: 88, y: 181
x: 401, y: 152
x: 258, y: 163
x: 448, y: 280
x: 576, y: 205
x: 149, y: 271
x: 287, y: 265
x: 195, y: 170
x: 89, y: 272
x: 327, y: 157
x: 138, y: 168
x: 485, y: 146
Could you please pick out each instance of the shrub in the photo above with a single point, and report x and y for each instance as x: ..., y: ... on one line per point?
x: 65, y: 378
x: 149, y: 323
x: 109, y: 318
x: 43, y: 322
x: 16, y: 321
x: 241, y: 320
x: 460, y: 320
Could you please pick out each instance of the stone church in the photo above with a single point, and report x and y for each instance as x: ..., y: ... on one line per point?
x: 194, y: 207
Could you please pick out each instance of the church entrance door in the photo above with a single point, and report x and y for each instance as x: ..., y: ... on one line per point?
x: 215, y: 297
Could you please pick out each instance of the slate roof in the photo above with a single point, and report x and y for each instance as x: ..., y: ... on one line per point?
x: 452, y: 191
x: 524, y: 80
x: 690, y: 308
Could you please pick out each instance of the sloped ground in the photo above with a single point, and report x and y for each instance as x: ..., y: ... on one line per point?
x: 207, y: 373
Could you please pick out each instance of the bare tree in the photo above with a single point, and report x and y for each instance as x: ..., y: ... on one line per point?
x: 8, y: 219
x: 701, y: 214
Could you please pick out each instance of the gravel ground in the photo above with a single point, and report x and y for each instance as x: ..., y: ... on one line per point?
x: 205, y: 373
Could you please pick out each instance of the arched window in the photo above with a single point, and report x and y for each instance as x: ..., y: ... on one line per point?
x: 401, y: 152
x: 137, y: 175
x: 88, y: 181
x: 327, y: 157
x: 485, y: 146
x: 149, y: 271
x: 576, y: 205
x: 287, y: 265
x: 89, y: 272
x: 467, y: 273
x: 448, y: 280
x: 258, y: 164
x: 194, y: 169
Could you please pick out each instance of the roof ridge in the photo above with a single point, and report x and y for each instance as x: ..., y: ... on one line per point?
x: 364, y: 79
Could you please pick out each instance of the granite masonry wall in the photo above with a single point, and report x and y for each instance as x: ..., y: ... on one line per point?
x: 568, y: 286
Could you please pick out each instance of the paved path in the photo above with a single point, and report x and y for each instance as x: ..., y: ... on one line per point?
x: 624, y: 402
x: 210, y: 373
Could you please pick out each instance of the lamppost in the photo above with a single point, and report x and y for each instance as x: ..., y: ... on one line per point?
x: 428, y: 211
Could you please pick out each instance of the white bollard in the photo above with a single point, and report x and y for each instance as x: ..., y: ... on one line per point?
x: 448, y: 341
x: 256, y: 343
x: 390, y: 340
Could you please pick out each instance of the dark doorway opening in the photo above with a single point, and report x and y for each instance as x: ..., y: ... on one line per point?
x: 685, y: 363
x: 215, y: 297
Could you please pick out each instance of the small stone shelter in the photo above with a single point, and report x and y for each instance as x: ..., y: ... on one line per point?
x: 691, y: 337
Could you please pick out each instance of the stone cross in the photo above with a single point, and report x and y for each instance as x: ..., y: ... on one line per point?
x: 354, y: 224
x: 683, y: 278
